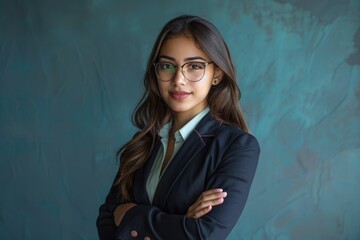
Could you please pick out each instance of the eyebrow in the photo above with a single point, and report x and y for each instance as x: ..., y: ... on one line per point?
x: 186, y: 59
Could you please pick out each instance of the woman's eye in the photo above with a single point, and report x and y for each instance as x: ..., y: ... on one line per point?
x: 166, y: 66
x: 196, y: 66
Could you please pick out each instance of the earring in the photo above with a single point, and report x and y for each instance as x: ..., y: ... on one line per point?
x: 215, y: 82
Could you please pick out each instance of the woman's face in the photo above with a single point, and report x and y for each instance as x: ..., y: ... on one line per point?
x: 184, y: 97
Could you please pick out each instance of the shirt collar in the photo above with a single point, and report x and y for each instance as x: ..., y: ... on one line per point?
x: 184, y: 132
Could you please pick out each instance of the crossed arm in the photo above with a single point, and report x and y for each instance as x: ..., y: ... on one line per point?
x: 234, y: 174
x: 202, y: 205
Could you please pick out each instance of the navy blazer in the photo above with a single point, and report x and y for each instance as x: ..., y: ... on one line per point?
x: 215, y: 155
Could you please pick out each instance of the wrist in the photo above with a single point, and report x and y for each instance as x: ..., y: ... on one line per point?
x: 120, y: 212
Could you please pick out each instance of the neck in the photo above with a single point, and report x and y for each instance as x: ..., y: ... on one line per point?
x: 180, y: 119
x: 178, y: 122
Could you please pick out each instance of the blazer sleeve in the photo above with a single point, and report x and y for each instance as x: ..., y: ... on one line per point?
x: 105, y: 221
x: 234, y: 173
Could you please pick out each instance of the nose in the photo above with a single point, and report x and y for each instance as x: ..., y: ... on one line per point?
x: 179, y: 77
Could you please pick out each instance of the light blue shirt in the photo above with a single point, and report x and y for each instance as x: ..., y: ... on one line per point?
x: 180, y: 136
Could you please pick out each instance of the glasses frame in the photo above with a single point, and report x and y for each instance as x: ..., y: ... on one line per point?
x: 182, y: 70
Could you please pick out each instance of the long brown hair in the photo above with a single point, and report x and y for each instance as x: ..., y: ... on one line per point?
x: 152, y: 113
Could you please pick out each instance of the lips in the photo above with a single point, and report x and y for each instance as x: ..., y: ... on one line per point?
x: 179, y: 95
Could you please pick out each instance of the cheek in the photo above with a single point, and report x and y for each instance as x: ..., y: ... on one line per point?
x: 162, y: 88
x: 202, y: 90
x: 208, y: 78
x: 206, y: 84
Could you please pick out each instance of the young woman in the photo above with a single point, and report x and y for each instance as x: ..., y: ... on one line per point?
x: 187, y: 173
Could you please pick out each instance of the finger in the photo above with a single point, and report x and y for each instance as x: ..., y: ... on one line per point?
x: 211, y: 195
x: 202, y: 212
x: 199, y: 213
x: 203, y: 207
x: 205, y: 199
x: 204, y: 204
x: 211, y: 191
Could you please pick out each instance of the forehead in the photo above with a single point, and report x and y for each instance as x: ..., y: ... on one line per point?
x: 182, y: 47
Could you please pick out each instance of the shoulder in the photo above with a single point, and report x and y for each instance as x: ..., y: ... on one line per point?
x: 235, y: 135
x: 223, y: 134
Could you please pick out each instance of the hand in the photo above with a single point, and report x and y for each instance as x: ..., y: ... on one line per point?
x: 205, y: 202
x: 120, y: 211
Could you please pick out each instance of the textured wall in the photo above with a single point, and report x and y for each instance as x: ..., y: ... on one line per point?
x: 70, y: 75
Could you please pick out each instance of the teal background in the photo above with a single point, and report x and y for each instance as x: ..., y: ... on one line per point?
x: 71, y: 73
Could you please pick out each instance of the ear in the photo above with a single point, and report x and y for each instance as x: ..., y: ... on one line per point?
x: 218, y: 75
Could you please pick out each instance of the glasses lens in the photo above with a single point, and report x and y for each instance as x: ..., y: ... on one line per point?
x: 194, y: 71
x: 165, y: 71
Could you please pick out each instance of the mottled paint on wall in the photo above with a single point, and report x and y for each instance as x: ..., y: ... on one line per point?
x: 70, y: 75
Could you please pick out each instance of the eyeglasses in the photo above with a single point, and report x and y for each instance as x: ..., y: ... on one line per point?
x: 192, y: 71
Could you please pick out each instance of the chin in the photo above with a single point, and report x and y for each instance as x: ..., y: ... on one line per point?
x: 179, y: 109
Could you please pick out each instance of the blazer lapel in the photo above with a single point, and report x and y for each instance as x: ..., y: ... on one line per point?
x: 195, y: 142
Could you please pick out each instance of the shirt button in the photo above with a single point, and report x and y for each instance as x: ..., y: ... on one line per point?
x: 133, y: 233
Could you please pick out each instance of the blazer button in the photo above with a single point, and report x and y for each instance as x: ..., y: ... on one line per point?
x: 133, y: 233
x: 147, y: 238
